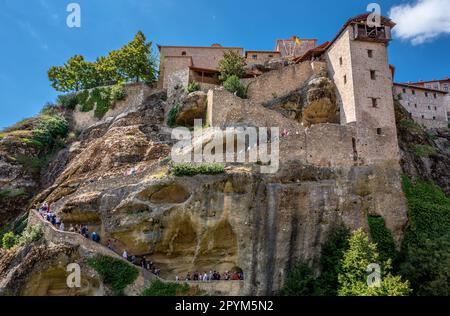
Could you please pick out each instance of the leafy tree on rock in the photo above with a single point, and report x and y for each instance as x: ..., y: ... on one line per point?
x: 75, y: 75
x: 353, y: 275
x: 232, y: 64
x: 135, y: 61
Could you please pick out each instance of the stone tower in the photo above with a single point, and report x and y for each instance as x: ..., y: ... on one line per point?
x: 358, y: 63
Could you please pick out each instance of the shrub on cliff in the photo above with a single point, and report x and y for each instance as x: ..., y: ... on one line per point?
x: 233, y: 84
x: 425, y: 255
x: 8, y: 240
x: 232, y: 64
x: 188, y: 169
x: 30, y: 234
x: 159, y: 288
x: 114, y: 272
x: 192, y: 87
x: 172, y: 116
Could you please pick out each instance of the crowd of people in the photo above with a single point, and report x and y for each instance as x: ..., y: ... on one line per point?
x: 144, y: 263
x: 50, y: 217
x: 212, y: 276
x: 56, y: 221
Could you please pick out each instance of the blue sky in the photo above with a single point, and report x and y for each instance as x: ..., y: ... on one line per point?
x: 34, y: 35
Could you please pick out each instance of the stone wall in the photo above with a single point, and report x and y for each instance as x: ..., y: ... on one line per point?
x: 324, y: 145
x: 339, y: 64
x: 425, y: 108
x: 277, y: 83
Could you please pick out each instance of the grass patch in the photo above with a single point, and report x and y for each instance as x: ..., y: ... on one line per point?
x: 115, y: 273
x: 189, y: 170
x: 159, y: 288
x: 11, y: 193
x: 411, y: 125
x: 31, y: 164
x: 423, y: 150
x: 172, y: 116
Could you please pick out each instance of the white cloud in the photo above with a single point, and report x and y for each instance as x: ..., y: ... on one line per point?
x: 422, y: 21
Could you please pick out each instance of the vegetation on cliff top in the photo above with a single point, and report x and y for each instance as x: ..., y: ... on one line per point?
x: 134, y: 62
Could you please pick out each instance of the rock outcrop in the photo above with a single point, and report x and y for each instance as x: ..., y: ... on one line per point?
x: 313, y: 103
x: 192, y: 107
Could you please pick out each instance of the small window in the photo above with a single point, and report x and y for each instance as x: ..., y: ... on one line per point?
x: 379, y: 131
x: 423, y: 116
x: 434, y: 118
x: 435, y: 108
x: 429, y: 107
x: 255, y: 56
x: 426, y: 94
x: 435, y: 96
x: 340, y: 61
x: 345, y: 79
x: 370, y: 53
x: 415, y: 105
x: 404, y: 90
x: 445, y: 88
x: 413, y: 91
x: 270, y: 56
x: 183, y: 53
x: 374, y: 102
x: 372, y: 75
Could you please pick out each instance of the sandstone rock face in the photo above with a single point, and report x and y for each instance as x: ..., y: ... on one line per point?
x: 193, y: 106
x: 39, y: 269
x: 18, y: 179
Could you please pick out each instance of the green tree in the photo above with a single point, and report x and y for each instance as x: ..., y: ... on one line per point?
x: 233, y: 84
x: 331, y: 255
x: 353, y: 274
x: 75, y: 75
x: 382, y: 237
x: 135, y: 61
x: 232, y: 64
x: 299, y: 282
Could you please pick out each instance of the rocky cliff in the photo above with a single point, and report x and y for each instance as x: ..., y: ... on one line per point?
x: 116, y: 178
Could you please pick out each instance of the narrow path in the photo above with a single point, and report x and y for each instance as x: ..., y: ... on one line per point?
x: 57, y: 236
